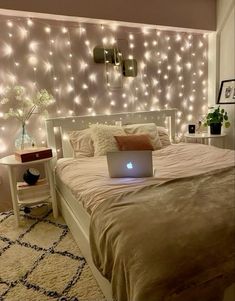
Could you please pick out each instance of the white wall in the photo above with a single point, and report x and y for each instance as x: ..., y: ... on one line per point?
x: 226, y: 56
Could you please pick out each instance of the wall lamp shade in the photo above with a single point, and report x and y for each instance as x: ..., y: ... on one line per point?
x: 130, y: 68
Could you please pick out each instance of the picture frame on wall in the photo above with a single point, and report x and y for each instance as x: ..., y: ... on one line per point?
x: 227, y: 92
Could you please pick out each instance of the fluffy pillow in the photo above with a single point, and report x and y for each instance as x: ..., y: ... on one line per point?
x: 103, y: 138
x: 164, y: 137
x: 145, y: 128
x: 81, y: 143
x: 134, y: 142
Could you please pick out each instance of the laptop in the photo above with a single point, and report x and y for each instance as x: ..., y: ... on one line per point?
x: 131, y: 164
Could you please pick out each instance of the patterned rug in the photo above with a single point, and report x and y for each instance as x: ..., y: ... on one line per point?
x: 40, y: 261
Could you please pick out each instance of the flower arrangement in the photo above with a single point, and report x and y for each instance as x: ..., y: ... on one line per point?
x: 25, y: 106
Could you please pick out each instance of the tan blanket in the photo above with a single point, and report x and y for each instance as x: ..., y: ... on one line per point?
x: 171, y: 242
x: 170, y: 237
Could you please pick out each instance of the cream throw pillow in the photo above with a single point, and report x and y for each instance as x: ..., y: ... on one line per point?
x: 81, y: 143
x: 164, y: 137
x: 103, y: 138
x: 145, y: 128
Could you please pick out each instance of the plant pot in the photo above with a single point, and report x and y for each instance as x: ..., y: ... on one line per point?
x: 215, y: 128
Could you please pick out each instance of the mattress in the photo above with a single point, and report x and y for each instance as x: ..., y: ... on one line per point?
x: 88, y: 180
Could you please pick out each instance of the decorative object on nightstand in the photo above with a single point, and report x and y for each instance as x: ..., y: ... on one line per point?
x: 191, y: 128
x: 31, y: 176
x: 216, y: 119
x: 24, y: 194
x: 33, y: 154
x: 199, y: 127
x: 25, y: 107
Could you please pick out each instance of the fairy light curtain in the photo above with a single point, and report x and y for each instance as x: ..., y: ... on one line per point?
x: 58, y: 56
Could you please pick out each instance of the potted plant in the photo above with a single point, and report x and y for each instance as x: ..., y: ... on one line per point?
x: 216, y: 119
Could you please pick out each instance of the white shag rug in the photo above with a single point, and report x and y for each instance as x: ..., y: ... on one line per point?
x: 40, y: 261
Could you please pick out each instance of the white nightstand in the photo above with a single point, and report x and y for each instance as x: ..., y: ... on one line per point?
x: 204, y: 138
x: 22, y: 195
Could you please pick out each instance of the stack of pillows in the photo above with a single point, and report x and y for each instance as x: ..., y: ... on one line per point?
x: 100, y: 139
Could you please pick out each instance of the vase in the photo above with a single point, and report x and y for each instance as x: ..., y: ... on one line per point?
x: 23, y: 141
x: 215, y: 128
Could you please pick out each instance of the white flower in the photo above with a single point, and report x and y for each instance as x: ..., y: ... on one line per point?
x: 26, y: 105
x: 4, y: 101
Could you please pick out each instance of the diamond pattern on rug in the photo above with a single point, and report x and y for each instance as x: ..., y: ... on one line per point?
x: 84, y: 288
x: 2, y: 245
x: 9, y: 223
x: 3, y: 288
x: 20, y: 292
x: 67, y: 244
x: 37, y: 235
x: 40, y: 261
x: 16, y: 261
x: 55, y: 271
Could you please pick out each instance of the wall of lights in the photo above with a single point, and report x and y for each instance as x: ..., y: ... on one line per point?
x: 58, y: 56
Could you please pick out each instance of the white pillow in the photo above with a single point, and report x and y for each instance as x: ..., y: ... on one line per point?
x: 164, y: 137
x: 81, y: 143
x: 145, y: 128
x: 103, y: 138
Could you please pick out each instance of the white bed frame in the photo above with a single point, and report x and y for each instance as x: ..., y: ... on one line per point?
x: 79, y: 220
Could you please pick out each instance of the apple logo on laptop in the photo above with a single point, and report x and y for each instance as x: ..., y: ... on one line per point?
x: 129, y: 165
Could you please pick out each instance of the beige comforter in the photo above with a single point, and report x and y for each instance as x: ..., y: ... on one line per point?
x: 170, y: 237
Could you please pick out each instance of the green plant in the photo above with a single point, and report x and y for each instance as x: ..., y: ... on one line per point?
x: 217, y: 116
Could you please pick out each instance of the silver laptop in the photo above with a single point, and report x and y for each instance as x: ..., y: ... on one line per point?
x: 134, y: 164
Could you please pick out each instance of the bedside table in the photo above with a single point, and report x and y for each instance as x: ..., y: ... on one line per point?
x: 23, y: 194
x: 204, y: 138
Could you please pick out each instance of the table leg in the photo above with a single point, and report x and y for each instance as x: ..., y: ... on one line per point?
x: 13, y: 186
x: 50, y: 176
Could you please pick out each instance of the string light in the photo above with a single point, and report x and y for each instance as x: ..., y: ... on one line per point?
x: 157, y: 60
x: 33, y: 46
x: 47, y: 29
x: 64, y: 30
x: 7, y: 50
x: 10, y: 24
x: 29, y: 22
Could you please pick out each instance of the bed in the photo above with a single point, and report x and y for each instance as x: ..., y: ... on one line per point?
x: 192, y: 183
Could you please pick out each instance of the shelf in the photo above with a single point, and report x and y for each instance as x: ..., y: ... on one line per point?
x: 33, y: 194
x: 34, y: 201
x: 41, y: 184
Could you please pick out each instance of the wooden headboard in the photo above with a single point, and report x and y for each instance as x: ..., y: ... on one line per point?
x: 57, y: 128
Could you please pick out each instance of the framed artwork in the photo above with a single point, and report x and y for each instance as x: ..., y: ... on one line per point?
x: 227, y: 92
